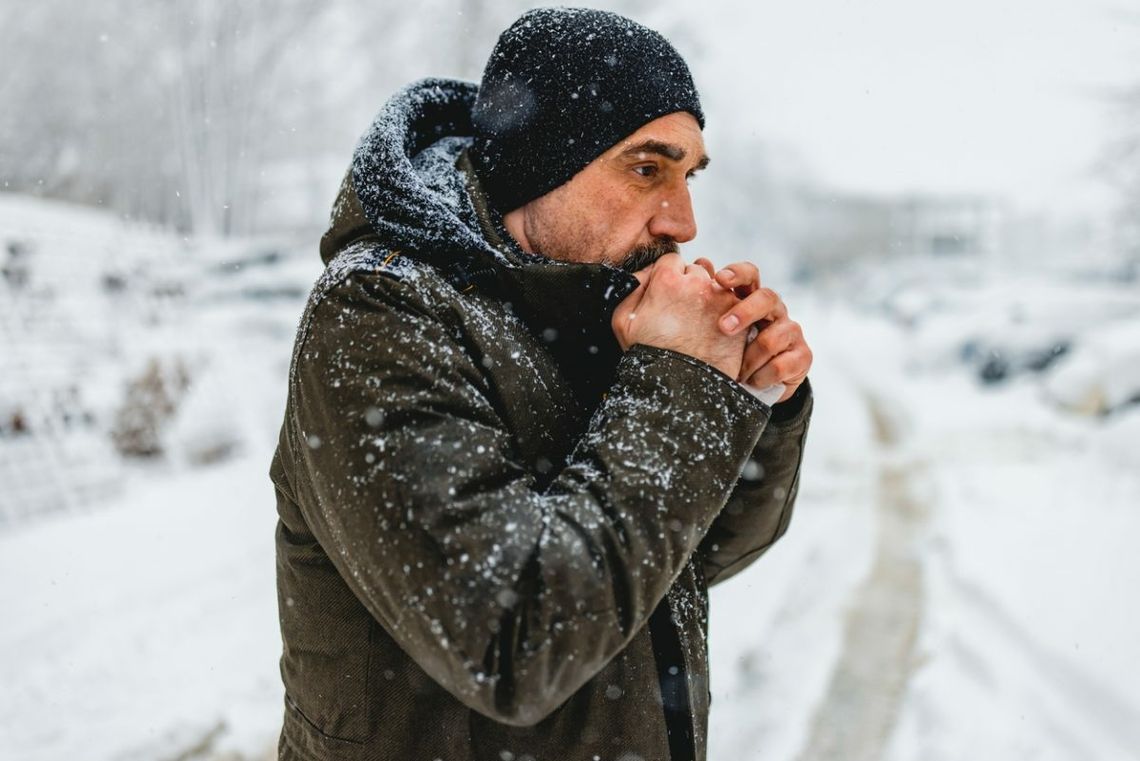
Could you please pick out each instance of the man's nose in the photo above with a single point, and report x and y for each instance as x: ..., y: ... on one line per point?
x: 674, y: 217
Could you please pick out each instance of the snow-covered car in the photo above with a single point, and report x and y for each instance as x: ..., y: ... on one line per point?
x: 1103, y: 373
x: 1025, y: 349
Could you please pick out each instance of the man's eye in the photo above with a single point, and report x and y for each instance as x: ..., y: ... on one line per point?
x: 646, y: 171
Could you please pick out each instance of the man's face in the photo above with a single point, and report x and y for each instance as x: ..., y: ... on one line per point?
x: 625, y: 208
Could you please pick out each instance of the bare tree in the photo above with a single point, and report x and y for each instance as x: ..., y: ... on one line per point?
x: 167, y: 111
x: 233, y: 70
x: 1122, y: 167
x: 1120, y: 159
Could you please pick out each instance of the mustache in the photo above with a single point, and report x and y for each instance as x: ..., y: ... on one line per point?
x: 643, y: 256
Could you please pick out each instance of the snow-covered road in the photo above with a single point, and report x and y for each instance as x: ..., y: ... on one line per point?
x: 858, y: 713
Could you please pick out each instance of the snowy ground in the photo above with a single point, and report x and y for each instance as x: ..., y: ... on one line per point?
x: 954, y: 585
x: 144, y: 629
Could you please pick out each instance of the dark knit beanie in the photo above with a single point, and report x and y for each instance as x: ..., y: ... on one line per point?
x: 562, y: 86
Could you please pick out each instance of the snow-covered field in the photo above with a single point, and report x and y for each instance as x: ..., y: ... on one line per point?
x: 955, y: 583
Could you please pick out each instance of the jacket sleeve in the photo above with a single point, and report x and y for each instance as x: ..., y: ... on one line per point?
x: 511, y: 597
x: 760, y: 507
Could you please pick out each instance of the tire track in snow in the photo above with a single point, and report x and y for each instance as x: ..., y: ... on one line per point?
x: 855, y: 718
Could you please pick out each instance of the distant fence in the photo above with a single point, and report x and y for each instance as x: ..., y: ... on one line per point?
x: 53, y: 457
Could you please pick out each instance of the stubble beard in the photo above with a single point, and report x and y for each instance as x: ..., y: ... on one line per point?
x: 546, y: 239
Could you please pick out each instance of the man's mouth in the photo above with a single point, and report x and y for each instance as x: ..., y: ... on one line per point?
x: 643, y: 256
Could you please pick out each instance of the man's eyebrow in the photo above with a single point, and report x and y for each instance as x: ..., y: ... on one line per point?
x: 672, y: 152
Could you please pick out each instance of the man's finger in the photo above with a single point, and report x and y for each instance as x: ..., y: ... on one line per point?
x: 789, y: 367
x: 772, y: 340
x: 708, y: 265
x: 695, y: 267
x: 762, y: 304
x: 742, y: 277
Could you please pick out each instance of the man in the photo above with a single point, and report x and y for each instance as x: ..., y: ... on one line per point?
x: 509, y: 469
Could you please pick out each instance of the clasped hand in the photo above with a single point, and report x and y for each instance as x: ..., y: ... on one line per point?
x: 696, y: 310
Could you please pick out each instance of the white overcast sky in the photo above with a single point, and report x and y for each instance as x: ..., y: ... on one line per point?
x: 1002, y: 97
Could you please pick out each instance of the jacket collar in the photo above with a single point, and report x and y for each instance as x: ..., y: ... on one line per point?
x: 568, y: 305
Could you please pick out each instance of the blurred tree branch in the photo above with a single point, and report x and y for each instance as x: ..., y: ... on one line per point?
x: 1120, y: 164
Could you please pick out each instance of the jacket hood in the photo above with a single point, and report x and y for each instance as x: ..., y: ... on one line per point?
x: 403, y: 190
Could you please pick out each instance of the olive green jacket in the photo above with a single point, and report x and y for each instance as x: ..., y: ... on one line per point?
x: 497, y: 529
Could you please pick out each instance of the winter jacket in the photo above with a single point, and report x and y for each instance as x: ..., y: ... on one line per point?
x: 496, y: 528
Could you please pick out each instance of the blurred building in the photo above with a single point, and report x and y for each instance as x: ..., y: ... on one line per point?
x: 947, y: 225
x: 837, y: 230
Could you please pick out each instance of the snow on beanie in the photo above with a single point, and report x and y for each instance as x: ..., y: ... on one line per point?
x: 562, y: 86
